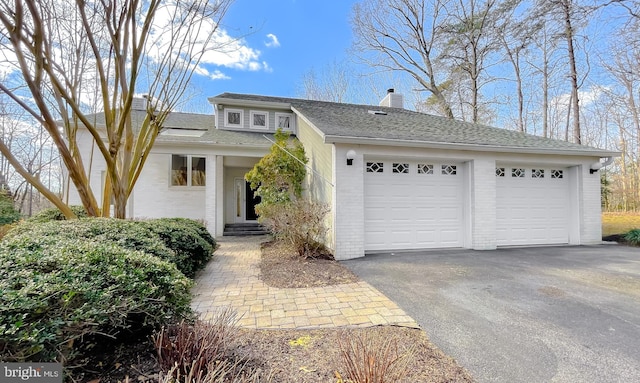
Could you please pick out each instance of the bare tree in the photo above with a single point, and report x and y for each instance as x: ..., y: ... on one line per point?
x: 470, y: 41
x: 405, y: 36
x: 516, y: 35
x: 546, y: 45
x: 333, y: 83
x: 30, y: 145
x: 567, y: 13
x: 67, y: 52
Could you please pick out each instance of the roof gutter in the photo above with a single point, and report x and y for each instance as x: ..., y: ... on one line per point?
x: 332, y: 139
x: 599, y: 165
x: 237, y: 102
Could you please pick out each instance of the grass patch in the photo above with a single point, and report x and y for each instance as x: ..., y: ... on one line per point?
x: 619, y: 223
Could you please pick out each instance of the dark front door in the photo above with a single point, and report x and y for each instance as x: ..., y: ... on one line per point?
x: 252, y: 200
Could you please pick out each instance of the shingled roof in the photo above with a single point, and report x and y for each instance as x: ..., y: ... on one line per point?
x: 195, y: 122
x: 339, y: 122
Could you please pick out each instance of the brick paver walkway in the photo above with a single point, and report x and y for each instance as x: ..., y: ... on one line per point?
x: 231, y: 279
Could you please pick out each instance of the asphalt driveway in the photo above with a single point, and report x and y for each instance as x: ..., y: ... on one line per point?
x: 555, y: 314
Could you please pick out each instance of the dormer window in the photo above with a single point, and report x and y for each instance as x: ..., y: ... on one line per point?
x: 259, y: 120
x: 233, y: 118
x: 284, y: 121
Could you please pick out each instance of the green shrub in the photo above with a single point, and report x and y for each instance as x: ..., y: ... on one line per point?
x: 8, y: 212
x: 190, y: 224
x: 633, y: 237
x: 133, y: 235
x: 55, y: 291
x: 185, y: 237
x: 54, y: 214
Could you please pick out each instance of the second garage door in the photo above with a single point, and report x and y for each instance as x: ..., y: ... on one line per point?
x: 532, y: 205
x: 413, y: 205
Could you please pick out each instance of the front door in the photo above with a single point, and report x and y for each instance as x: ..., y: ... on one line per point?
x: 245, y: 201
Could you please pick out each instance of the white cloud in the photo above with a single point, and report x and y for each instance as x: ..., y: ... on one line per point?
x: 8, y: 62
x: 220, y: 49
x: 586, y: 97
x: 218, y: 75
x: 273, y: 41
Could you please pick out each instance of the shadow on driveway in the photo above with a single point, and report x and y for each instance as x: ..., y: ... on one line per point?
x: 554, y: 314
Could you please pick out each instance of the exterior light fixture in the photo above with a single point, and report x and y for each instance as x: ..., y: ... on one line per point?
x: 351, y: 154
x: 595, y: 167
x: 220, y: 106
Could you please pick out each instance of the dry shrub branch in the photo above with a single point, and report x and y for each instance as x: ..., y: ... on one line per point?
x: 371, y: 359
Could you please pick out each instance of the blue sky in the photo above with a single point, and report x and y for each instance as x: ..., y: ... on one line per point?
x: 309, y: 34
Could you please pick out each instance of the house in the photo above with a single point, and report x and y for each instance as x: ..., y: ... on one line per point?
x: 395, y: 179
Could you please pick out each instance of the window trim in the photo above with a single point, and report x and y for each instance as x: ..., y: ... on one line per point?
x: 226, y: 118
x: 291, y: 121
x: 266, y: 119
x: 189, y: 181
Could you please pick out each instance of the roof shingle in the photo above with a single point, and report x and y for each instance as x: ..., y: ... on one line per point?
x: 339, y: 121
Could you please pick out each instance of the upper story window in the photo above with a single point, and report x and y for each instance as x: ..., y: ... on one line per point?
x: 259, y: 119
x: 284, y: 121
x: 188, y: 170
x: 233, y: 118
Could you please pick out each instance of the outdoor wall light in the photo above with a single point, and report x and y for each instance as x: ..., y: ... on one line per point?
x: 220, y: 106
x: 595, y: 167
x: 351, y: 154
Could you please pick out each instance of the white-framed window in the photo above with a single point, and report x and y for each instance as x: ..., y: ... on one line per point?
x: 425, y: 169
x: 188, y: 170
x: 259, y: 119
x: 285, y: 121
x: 233, y: 118
x: 400, y: 168
x: 375, y: 167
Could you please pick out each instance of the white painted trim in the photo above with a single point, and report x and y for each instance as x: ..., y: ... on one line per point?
x: 239, y: 192
x: 219, y: 196
x: 330, y: 139
x: 253, y: 113
x: 315, y: 128
x: 252, y: 103
x: 189, y: 185
x: 226, y: 118
x: 292, y: 121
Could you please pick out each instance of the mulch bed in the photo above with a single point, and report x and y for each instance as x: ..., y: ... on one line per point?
x: 313, y: 356
x: 302, y: 356
x: 282, y: 267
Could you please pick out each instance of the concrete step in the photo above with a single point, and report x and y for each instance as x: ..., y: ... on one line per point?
x: 238, y: 229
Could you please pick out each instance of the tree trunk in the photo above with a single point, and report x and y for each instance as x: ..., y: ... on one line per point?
x: 64, y: 208
x: 573, y: 72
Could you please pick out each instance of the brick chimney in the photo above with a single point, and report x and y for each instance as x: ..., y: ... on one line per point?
x: 139, y: 103
x: 392, y: 99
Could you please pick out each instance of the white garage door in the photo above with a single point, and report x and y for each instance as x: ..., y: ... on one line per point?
x: 413, y: 205
x: 532, y: 205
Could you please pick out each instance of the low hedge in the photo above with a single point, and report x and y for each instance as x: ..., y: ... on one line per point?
x: 55, y: 291
x: 181, y: 241
x: 54, y: 214
x: 188, y: 238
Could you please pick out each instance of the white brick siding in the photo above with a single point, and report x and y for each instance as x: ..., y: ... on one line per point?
x: 591, y: 226
x: 154, y: 198
x: 348, y: 206
x: 482, y: 201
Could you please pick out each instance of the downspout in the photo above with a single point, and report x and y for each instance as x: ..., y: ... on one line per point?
x: 608, y: 161
x: 599, y: 165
